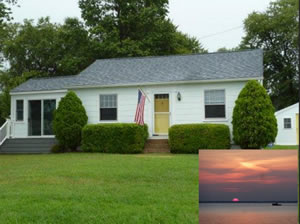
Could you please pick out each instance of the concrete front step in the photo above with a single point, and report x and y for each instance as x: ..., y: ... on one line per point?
x: 158, y: 141
x: 157, y: 146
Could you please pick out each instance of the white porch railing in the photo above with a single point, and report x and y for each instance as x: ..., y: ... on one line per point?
x: 4, y: 132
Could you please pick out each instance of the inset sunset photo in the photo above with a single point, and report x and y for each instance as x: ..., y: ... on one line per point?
x: 248, y: 186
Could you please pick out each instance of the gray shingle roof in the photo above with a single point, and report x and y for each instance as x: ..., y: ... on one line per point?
x: 153, y: 70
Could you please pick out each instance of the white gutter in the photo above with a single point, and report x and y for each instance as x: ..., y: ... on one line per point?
x: 164, y: 83
x: 38, y: 92
x: 136, y: 84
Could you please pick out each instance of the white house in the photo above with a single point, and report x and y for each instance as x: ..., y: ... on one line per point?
x: 198, y: 88
x: 288, y: 125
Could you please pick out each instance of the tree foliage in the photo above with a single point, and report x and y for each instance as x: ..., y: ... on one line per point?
x: 48, y: 49
x: 5, y: 10
x: 69, y: 119
x: 253, y: 120
x: 134, y: 28
x: 8, y: 83
x: 42, y: 49
x: 276, y: 31
x: 224, y: 49
x: 5, y: 16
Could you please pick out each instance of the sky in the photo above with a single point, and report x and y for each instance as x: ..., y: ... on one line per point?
x: 248, y: 175
x: 198, y: 18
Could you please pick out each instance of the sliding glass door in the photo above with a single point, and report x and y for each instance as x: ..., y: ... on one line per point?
x: 40, y: 117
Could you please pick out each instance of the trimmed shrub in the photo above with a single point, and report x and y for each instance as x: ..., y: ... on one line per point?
x: 254, y: 122
x: 69, y: 119
x: 114, y: 138
x: 57, y: 149
x: 146, y: 132
x: 189, y: 138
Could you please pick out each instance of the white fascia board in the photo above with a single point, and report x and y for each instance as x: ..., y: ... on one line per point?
x: 136, y: 84
x: 165, y: 83
x: 38, y: 92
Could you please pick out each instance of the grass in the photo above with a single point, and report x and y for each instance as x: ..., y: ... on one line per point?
x: 98, y: 188
x: 283, y: 147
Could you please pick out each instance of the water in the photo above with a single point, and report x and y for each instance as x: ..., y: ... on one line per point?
x: 248, y: 213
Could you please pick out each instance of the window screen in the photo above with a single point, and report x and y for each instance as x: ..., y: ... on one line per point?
x: 108, y: 107
x: 287, y: 122
x: 20, y: 110
x: 214, y: 103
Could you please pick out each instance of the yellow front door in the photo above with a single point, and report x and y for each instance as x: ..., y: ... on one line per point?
x: 297, y: 127
x: 161, y: 113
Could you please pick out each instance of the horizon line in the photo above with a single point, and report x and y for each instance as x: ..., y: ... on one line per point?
x: 248, y: 201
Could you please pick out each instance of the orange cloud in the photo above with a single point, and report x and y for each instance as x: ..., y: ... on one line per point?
x: 254, y: 166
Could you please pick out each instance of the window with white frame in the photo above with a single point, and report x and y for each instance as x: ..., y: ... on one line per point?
x: 214, y: 103
x: 287, y: 123
x: 19, y: 110
x: 108, y: 107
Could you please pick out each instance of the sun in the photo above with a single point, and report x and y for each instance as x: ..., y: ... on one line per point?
x: 235, y: 200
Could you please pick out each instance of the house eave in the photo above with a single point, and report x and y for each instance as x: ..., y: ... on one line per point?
x: 163, y: 83
x: 133, y: 85
x: 38, y: 92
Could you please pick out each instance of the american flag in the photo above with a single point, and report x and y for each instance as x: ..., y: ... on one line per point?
x: 139, y: 114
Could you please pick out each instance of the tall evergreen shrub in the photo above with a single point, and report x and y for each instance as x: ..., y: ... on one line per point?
x: 254, y: 122
x: 69, y: 119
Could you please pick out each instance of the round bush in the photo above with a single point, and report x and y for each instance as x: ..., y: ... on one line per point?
x: 69, y: 119
x: 254, y: 122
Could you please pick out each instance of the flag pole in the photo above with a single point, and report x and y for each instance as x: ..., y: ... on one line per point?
x: 145, y: 94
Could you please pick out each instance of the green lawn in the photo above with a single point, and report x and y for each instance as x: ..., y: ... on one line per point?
x: 98, y: 188
x: 283, y: 147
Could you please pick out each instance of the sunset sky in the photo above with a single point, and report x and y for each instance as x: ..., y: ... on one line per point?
x: 248, y: 175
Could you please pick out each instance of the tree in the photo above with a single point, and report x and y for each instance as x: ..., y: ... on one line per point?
x: 224, y: 49
x: 44, y: 49
x: 125, y: 28
x: 7, y: 83
x: 5, y: 16
x: 253, y: 120
x: 77, y: 47
x: 48, y: 49
x: 5, y: 11
x: 276, y: 31
x: 69, y: 119
x: 184, y: 44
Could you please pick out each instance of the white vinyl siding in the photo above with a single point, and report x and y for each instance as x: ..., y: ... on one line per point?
x: 286, y: 123
x: 191, y: 108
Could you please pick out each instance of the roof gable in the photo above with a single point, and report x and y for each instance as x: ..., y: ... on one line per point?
x: 287, y: 109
